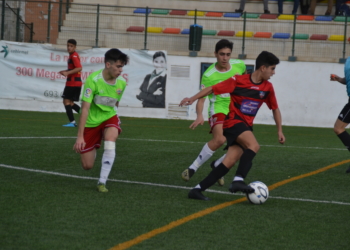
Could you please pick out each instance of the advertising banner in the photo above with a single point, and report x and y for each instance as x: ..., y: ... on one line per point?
x: 31, y: 72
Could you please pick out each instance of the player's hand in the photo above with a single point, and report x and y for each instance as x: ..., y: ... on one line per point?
x: 281, y: 138
x: 198, y: 121
x: 186, y: 101
x: 334, y: 77
x: 79, y: 145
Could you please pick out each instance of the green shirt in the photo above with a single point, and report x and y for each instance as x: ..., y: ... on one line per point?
x: 103, y: 97
x: 220, y: 103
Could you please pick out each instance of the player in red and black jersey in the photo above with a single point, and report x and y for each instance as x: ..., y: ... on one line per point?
x: 248, y: 93
x: 72, y: 89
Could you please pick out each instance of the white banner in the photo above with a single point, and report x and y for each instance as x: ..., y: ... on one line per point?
x: 30, y: 71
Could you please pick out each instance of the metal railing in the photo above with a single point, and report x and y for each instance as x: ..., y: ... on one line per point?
x: 23, y: 31
x: 95, y: 25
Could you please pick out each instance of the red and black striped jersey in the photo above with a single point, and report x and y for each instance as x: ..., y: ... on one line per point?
x: 74, y: 80
x: 246, y: 98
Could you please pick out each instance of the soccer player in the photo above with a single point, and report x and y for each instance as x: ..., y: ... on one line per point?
x: 102, y: 93
x: 248, y: 93
x: 71, y: 92
x: 343, y: 119
x: 218, y: 108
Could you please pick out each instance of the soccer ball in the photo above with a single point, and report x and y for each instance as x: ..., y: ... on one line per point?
x: 261, y: 193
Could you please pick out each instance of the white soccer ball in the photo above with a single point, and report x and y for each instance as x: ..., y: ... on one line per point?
x: 261, y: 193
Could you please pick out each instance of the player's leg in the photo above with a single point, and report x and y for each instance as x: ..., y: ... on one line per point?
x: 250, y: 145
x: 209, y: 148
x: 108, y: 157
x: 217, y: 141
x: 341, y: 123
x: 69, y: 111
x: 233, y: 154
x: 75, y: 106
x: 88, y: 159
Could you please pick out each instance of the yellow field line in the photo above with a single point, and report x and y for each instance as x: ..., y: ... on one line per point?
x: 206, y: 211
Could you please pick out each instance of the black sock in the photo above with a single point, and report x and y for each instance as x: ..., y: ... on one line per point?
x: 69, y: 112
x: 213, y: 176
x: 76, y: 108
x: 345, y: 138
x: 245, y: 163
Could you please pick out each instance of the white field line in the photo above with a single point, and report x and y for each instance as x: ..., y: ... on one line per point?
x: 170, y: 141
x: 160, y: 185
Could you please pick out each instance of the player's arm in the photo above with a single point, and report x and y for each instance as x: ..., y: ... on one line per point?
x: 80, y: 142
x: 278, y: 120
x: 199, y: 111
x: 334, y: 77
x: 200, y: 94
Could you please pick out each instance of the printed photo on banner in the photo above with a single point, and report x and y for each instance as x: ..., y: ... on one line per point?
x: 152, y: 89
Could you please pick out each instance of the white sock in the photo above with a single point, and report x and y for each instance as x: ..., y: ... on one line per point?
x: 238, y: 178
x: 198, y: 186
x: 218, y: 161
x: 203, y: 156
x: 107, y: 163
x: 73, y: 122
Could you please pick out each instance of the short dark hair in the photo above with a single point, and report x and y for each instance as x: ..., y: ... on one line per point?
x: 114, y: 55
x: 159, y: 54
x: 72, y: 41
x: 223, y: 43
x: 266, y: 59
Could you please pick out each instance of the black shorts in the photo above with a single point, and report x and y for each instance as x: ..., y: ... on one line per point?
x: 233, y: 132
x: 71, y: 93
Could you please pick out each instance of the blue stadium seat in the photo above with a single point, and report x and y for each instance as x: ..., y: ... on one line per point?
x: 142, y: 11
x: 281, y: 35
x: 324, y: 18
x: 232, y: 15
x: 185, y: 31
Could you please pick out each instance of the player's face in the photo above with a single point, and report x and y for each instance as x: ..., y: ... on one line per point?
x: 268, y: 72
x: 114, y: 69
x: 70, y: 48
x: 223, y: 57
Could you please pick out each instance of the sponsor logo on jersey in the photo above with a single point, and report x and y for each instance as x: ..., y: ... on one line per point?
x: 262, y: 94
x: 87, y: 93
x: 119, y: 91
x: 249, y: 107
x: 254, y: 87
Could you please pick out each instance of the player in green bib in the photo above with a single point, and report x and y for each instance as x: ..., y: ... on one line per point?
x: 102, y: 93
x: 218, y: 108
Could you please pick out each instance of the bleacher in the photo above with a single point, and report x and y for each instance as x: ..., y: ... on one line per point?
x: 168, y: 25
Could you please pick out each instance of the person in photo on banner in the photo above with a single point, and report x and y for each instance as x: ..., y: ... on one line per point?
x: 224, y: 68
x: 248, y: 92
x: 99, y: 120
x: 152, y: 90
x: 71, y: 92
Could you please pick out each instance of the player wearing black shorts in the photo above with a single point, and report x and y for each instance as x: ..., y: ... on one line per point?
x: 71, y: 92
x: 343, y: 119
x: 248, y: 93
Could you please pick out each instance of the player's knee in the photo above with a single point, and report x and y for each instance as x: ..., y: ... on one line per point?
x: 219, y: 141
x: 338, y: 130
x: 255, y: 148
x: 87, y: 166
x: 222, y: 140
